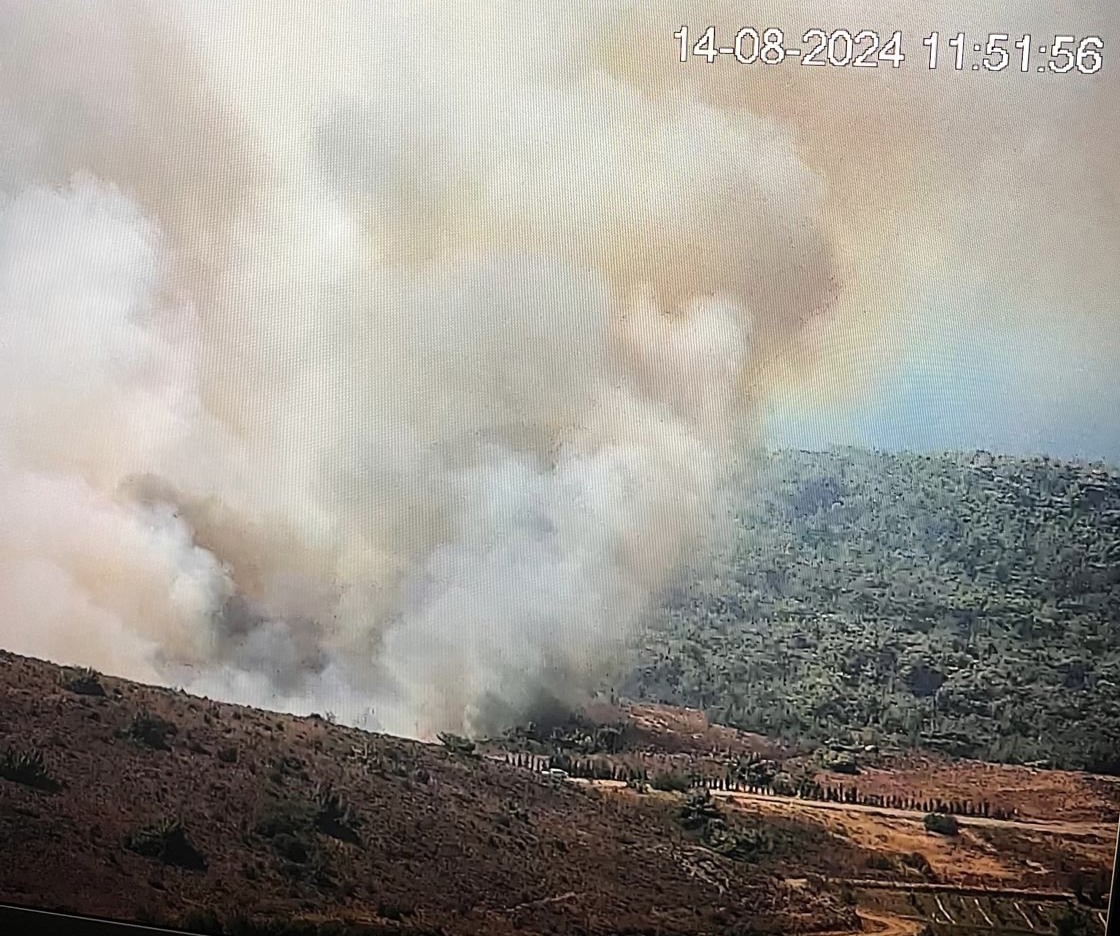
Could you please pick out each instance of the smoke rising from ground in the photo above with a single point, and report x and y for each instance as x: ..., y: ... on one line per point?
x: 355, y: 358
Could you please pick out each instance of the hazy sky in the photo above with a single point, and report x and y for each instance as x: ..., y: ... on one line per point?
x: 1013, y: 348
x: 1015, y: 390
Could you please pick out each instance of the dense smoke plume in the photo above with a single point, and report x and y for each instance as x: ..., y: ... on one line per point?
x: 388, y: 358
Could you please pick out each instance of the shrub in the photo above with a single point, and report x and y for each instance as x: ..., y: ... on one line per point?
x: 739, y: 845
x: 167, y: 841
x: 292, y: 847
x: 1091, y: 886
x: 290, y: 828
x: 783, y: 785
x: 334, y: 816
x: 673, y: 781
x: 457, y: 744
x: 701, y: 815
x: 941, y: 823
x: 287, y: 817
x: 151, y: 730
x: 880, y: 862
x: 391, y: 910
x: 1075, y: 922
x: 698, y: 811
x: 288, y: 766
x: 842, y: 763
x: 28, y: 768
x: 83, y: 681
x: 918, y: 862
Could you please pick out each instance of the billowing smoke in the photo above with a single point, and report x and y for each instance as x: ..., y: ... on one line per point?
x: 388, y: 358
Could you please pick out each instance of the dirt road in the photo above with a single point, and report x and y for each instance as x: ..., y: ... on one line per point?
x: 883, y: 925
x: 1100, y: 830
x: 1075, y: 829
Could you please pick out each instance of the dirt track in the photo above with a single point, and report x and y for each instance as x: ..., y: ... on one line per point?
x: 883, y: 925
x: 1076, y: 829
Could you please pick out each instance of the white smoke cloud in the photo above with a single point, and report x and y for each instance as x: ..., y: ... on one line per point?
x: 383, y: 357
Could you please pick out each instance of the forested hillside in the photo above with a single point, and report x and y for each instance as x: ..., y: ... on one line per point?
x: 968, y: 603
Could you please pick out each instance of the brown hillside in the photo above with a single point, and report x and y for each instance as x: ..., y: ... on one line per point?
x: 297, y: 818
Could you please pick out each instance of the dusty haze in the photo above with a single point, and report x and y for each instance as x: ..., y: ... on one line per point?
x: 389, y: 358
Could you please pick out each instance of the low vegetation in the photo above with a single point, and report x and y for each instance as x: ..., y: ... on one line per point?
x: 334, y: 816
x: 81, y: 681
x: 292, y: 826
x: 941, y: 823
x: 27, y: 768
x: 150, y: 730
x: 673, y: 781
x: 457, y: 744
x: 743, y: 837
x: 166, y: 841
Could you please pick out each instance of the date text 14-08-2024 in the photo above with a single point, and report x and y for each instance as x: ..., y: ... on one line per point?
x: 868, y: 48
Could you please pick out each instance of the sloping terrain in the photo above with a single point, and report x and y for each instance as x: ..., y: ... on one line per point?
x: 653, y: 739
x: 152, y: 804
x: 963, y: 603
x: 1027, y: 792
x: 1047, y: 837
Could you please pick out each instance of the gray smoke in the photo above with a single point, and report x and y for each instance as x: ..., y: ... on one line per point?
x: 388, y: 359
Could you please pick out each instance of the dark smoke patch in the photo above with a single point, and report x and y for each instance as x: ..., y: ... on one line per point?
x: 287, y: 652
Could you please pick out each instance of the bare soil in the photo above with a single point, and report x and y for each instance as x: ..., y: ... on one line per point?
x: 1029, y: 792
x: 432, y: 841
x: 275, y: 817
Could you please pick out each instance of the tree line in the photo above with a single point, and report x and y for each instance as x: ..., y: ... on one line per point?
x: 598, y: 768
